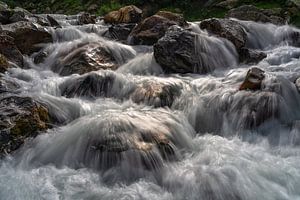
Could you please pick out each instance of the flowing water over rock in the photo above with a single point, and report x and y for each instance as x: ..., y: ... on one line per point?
x: 143, y: 132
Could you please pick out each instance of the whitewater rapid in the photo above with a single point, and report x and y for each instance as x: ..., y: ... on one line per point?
x: 222, y: 150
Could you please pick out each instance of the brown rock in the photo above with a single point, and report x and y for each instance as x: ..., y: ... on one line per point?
x: 156, y: 94
x: 87, y: 58
x: 20, y: 118
x: 150, y: 30
x: 226, y: 28
x: 9, y: 49
x: 21, y: 31
x: 253, y: 79
x: 127, y: 14
x: 86, y: 18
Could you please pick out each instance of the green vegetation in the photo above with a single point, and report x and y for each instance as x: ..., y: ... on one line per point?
x: 192, y: 10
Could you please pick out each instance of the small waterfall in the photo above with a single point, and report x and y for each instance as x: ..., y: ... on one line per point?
x: 266, y: 36
x: 214, y: 53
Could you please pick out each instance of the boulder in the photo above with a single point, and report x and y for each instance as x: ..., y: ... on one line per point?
x: 89, y: 86
x: 182, y: 51
x: 178, y: 18
x: 253, y: 79
x: 84, y: 59
x: 127, y: 14
x: 250, y: 56
x: 119, y: 32
x: 9, y: 49
x: 53, y: 22
x: 20, y: 32
x: 127, y: 139
x: 86, y: 18
x: 19, y: 14
x: 252, y: 13
x: 151, y: 29
x: 20, y: 118
x: 157, y: 94
x: 226, y: 28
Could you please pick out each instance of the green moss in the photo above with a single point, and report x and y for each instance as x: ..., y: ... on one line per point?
x: 109, y: 6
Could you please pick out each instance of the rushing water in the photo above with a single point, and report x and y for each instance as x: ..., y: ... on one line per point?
x: 224, y: 147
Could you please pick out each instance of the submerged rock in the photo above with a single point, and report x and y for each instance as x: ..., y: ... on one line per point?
x: 84, y: 59
x: 20, y: 118
x: 253, y: 79
x: 28, y: 36
x: 151, y: 29
x: 157, y: 94
x: 108, y: 84
x: 91, y: 86
x: 125, y: 139
x: 127, y: 14
x: 250, y: 56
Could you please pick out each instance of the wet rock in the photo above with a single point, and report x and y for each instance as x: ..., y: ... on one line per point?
x: 9, y: 49
x: 86, y: 18
x: 84, y: 59
x: 252, y: 13
x: 4, y: 65
x: 19, y: 14
x: 40, y: 57
x: 119, y: 138
x: 178, y: 18
x: 175, y: 51
x: 20, y: 118
x: 156, y: 94
x: 250, y: 56
x: 53, y: 22
x: 182, y: 51
x: 91, y: 86
x: 21, y: 31
x: 7, y: 86
x: 226, y: 28
x: 297, y: 83
x: 127, y: 14
x: 253, y: 109
x: 119, y: 32
x: 253, y: 79
x: 151, y: 29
